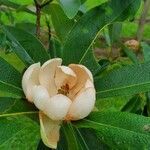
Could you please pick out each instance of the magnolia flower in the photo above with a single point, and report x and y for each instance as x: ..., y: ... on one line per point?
x: 60, y: 93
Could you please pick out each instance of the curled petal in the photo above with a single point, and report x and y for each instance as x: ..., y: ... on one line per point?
x: 57, y: 107
x: 49, y: 131
x: 89, y: 84
x: 65, y: 75
x: 82, y: 105
x: 40, y: 97
x: 82, y: 77
x: 30, y: 79
x: 88, y: 72
x: 47, y: 73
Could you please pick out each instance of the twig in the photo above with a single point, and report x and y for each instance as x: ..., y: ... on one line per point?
x: 49, y: 31
x: 38, y: 17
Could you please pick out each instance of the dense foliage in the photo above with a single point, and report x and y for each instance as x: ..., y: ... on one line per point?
x: 70, y: 30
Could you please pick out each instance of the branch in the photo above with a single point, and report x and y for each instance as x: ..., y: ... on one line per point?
x: 43, y: 5
x: 38, y: 17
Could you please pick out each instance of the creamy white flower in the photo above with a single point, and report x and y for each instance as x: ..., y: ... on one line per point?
x: 60, y: 93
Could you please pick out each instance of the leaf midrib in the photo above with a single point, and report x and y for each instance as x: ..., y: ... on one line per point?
x: 18, y: 114
x: 13, y: 86
x: 99, y: 31
x: 120, y: 88
x: 111, y: 126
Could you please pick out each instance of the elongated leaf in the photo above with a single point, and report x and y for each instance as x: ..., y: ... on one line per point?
x: 27, y: 47
x: 115, y: 31
x: 88, y: 4
x: 88, y: 140
x: 14, y: 106
x: 146, y: 51
x: 12, y: 59
x: 10, y: 80
x: 112, y: 103
x: 15, y: 6
x: 61, y: 23
x: 18, y: 132
x: 125, y: 81
x: 70, y: 136
x: 131, y: 55
x: 119, y: 130
x: 9, y: 74
x: 135, y: 105
x: 70, y: 7
x: 7, y: 90
x: 86, y: 29
x: 93, y: 66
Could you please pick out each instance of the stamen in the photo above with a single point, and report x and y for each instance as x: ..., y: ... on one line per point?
x: 64, y: 90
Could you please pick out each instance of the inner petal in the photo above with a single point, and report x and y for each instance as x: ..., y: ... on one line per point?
x: 82, y: 77
x: 47, y: 74
x: 65, y: 79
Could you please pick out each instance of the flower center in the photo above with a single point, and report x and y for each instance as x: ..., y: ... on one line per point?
x: 64, y: 90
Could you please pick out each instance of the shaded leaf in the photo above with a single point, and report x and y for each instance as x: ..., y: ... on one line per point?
x: 27, y: 47
x: 61, y: 23
x: 119, y: 130
x: 128, y: 80
x: 70, y: 7
x: 146, y: 51
x: 70, y: 136
x: 8, y: 3
x: 90, y: 24
x: 18, y: 132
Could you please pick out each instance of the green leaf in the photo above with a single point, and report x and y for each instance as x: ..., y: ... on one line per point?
x: 88, y: 4
x: 70, y: 7
x: 135, y: 104
x: 93, y: 66
x: 27, y: 47
x: 112, y: 103
x: 15, y: 106
x: 146, y: 51
x: 55, y: 48
x: 70, y: 136
x: 90, y: 24
x: 61, y: 23
x: 12, y: 59
x: 115, y: 31
x: 131, y: 55
x: 15, y: 6
x: 10, y: 80
x: 119, y: 130
x: 18, y: 132
x: 128, y: 80
x: 9, y: 74
x: 7, y: 90
x: 88, y: 140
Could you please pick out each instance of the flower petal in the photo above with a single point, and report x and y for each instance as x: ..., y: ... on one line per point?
x: 82, y: 77
x: 57, y: 107
x: 49, y: 131
x: 89, y: 84
x: 47, y: 74
x: 40, y: 97
x: 88, y: 72
x: 65, y: 75
x: 82, y: 105
x: 30, y: 79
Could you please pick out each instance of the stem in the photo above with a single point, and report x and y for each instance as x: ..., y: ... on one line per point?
x: 49, y: 31
x: 143, y: 19
x: 38, y: 17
